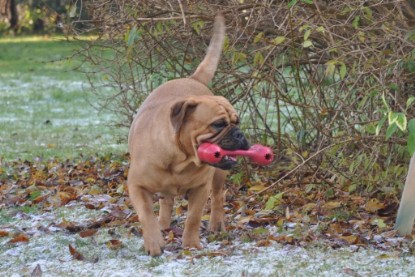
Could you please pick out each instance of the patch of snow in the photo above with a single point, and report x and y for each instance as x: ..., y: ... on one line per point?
x: 50, y: 251
x: 16, y: 84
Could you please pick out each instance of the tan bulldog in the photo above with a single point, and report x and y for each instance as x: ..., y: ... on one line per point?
x: 163, y: 140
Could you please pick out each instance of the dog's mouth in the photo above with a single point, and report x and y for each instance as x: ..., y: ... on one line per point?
x: 226, y: 163
x: 231, y: 138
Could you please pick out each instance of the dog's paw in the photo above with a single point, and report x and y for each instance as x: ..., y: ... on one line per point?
x: 192, y: 243
x: 216, y: 226
x: 164, y: 223
x: 154, y: 244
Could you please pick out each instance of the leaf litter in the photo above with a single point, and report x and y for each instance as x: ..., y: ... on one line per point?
x: 74, y: 217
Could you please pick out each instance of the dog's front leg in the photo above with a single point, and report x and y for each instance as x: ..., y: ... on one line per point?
x: 196, y: 201
x: 216, y: 222
x: 142, y: 202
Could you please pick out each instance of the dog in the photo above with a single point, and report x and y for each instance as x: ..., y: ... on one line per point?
x: 164, y: 136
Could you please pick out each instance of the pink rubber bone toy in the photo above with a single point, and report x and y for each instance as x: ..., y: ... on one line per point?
x: 212, y: 153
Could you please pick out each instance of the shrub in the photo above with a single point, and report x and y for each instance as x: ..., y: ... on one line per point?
x: 331, y: 80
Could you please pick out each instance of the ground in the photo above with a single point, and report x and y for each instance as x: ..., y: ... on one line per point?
x: 65, y: 211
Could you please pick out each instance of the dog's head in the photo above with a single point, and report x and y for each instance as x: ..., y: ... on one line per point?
x: 207, y: 119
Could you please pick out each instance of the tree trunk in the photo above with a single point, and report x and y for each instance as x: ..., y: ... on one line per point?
x: 8, y: 8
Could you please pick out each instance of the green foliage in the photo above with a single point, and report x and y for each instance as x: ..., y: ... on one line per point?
x: 273, y: 201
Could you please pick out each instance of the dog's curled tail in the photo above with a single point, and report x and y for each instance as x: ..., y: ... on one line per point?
x: 406, y: 213
x: 206, y: 69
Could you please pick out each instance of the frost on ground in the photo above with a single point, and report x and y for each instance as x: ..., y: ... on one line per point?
x: 46, y: 116
x: 47, y: 251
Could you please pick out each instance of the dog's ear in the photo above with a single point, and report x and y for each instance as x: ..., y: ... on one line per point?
x: 180, y: 111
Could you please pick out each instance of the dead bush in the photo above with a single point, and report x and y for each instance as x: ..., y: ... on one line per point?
x: 327, y: 82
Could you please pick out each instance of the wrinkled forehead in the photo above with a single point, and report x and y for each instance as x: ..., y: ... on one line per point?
x: 227, y: 107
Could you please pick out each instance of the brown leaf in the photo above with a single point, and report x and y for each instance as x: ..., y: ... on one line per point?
x: 331, y: 205
x: 114, y: 244
x: 244, y: 220
x: 211, y: 254
x: 351, y: 239
x: 19, y: 238
x: 263, y: 243
x: 282, y: 239
x: 309, y: 207
x: 170, y: 236
x: 37, y: 272
x: 136, y: 232
x: 70, y: 226
x: 75, y: 254
x: 373, y: 205
x: 257, y: 188
x: 65, y: 197
x: 133, y: 219
x: 40, y: 198
x: 337, y: 228
x: 90, y: 206
x: 3, y: 233
x: 87, y: 233
x: 389, y: 234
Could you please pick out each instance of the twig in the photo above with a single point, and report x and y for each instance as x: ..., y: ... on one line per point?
x: 302, y: 164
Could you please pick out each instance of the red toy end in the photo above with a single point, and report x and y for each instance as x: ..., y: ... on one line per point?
x: 261, y: 155
x: 210, y: 153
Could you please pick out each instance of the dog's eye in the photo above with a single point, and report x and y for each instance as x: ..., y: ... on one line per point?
x: 219, y: 124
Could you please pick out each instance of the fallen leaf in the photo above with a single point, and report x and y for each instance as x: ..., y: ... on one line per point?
x: 309, y: 207
x: 351, y: 239
x: 336, y: 228
x: 211, y: 254
x: 75, y: 254
x: 263, y: 243
x: 373, y: 205
x: 39, y: 199
x: 351, y: 272
x: 114, y: 244
x: 3, y: 233
x: 206, y: 217
x: 37, y: 272
x: 244, y: 220
x: 257, y: 188
x: 87, y: 233
x: 282, y: 239
x: 170, y: 236
x: 378, y: 222
x: 19, y: 238
x: 383, y: 256
x: 90, y: 206
x: 70, y: 226
x: 331, y: 205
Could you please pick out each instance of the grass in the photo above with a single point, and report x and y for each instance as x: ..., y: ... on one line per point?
x: 45, y: 108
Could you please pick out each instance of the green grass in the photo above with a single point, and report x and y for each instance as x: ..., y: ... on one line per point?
x: 45, y: 106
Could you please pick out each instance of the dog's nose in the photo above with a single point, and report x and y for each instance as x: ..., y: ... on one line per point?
x: 238, y: 135
x: 240, y: 138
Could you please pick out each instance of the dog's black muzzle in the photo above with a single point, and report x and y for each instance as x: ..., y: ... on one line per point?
x: 230, y: 139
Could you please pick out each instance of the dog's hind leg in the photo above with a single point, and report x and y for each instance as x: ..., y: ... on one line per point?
x: 197, y: 198
x: 166, y: 209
